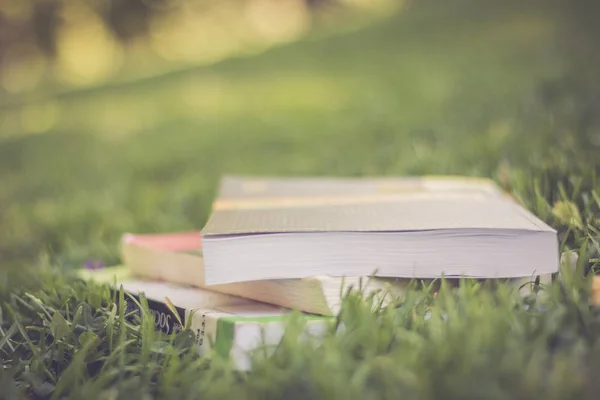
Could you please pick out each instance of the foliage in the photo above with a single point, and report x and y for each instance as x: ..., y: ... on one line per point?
x: 72, y: 341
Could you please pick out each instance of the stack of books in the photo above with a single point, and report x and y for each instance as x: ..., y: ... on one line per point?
x: 272, y: 245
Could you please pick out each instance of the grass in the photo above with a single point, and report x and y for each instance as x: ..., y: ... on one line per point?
x: 410, y: 95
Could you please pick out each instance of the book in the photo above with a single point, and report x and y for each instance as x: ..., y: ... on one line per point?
x: 264, y: 228
x: 223, y: 325
x: 177, y: 258
x: 156, y: 291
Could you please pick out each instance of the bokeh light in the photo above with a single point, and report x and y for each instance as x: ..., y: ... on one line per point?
x: 88, y: 52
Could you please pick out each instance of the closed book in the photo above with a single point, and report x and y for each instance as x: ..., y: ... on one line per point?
x: 222, y: 324
x: 265, y: 228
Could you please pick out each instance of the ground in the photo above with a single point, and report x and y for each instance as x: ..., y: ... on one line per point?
x: 489, y: 96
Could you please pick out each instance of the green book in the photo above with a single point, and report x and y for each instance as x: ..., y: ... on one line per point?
x: 224, y: 325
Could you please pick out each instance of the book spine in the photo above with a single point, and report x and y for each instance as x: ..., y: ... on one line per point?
x: 220, y: 334
x: 204, y: 324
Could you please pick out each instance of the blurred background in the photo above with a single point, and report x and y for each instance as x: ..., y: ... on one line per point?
x: 121, y: 115
x: 84, y: 43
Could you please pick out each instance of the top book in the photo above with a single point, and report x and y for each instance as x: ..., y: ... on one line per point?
x: 426, y: 227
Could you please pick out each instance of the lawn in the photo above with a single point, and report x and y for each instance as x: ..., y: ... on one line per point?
x: 494, y: 93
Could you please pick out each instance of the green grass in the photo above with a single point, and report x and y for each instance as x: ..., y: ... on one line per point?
x: 489, y: 95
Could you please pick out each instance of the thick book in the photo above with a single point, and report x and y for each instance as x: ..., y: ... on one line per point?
x: 427, y: 227
x: 224, y: 325
x: 177, y: 258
